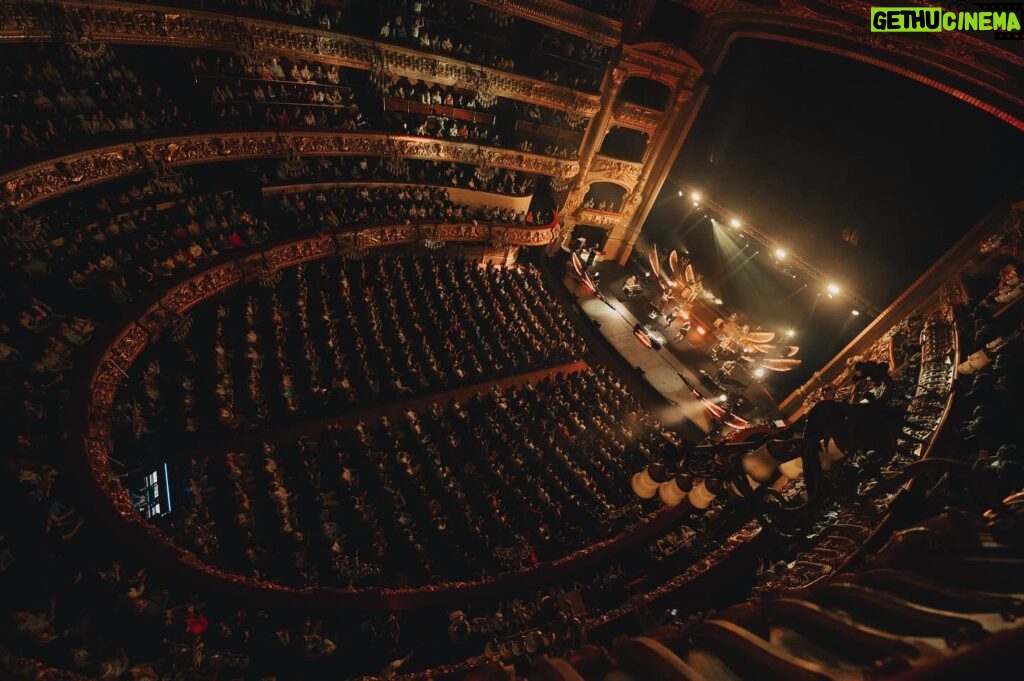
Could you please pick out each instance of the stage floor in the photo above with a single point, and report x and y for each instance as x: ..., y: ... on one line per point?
x: 666, y: 369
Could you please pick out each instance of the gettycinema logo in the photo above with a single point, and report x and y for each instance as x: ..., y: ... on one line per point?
x: 1004, y: 19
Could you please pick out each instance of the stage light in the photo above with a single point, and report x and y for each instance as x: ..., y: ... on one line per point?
x: 856, y: 313
x: 723, y: 398
x: 718, y: 301
x: 734, y: 223
x: 780, y: 253
x: 759, y: 372
x: 680, y: 192
x: 790, y: 333
x: 701, y: 330
x: 832, y: 290
x: 695, y: 196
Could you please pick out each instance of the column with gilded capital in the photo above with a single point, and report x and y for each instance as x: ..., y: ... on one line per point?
x: 599, y: 124
x: 688, y: 98
x: 592, y: 141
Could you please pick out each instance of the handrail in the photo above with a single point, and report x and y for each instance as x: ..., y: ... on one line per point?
x: 33, y: 184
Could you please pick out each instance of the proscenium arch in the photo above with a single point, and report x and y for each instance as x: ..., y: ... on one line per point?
x: 808, y: 39
x: 975, y: 72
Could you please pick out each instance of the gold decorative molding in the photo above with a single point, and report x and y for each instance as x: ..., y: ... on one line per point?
x: 598, y: 218
x: 605, y: 169
x: 978, y: 72
x: 126, y: 22
x: 30, y: 185
x: 562, y: 16
x: 638, y: 117
x: 664, y: 63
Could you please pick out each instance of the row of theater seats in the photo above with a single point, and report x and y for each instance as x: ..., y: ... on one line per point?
x: 428, y: 496
x: 342, y: 335
x: 943, y: 588
x: 137, y: 618
x: 60, y: 100
x: 147, y: 623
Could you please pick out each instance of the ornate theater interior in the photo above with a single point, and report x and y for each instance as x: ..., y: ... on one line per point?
x: 497, y: 340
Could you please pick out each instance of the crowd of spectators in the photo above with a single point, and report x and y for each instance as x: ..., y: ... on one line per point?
x: 373, y: 169
x: 331, y: 338
x: 500, y: 481
x: 62, y: 98
x: 432, y: 94
x: 369, y: 204
x: 131, y: 249
x: 55, y: 97
x: 471, y: 34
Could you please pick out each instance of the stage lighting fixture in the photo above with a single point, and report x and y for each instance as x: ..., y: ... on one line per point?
x: 718, y: 301
x: 856, y: 313
x: 780, y: 253
x: 759, y: 372
x: 723, y: 398
x: 832, y: 290
x: 734, y: 223
x: 680, y: 192
x: 790, y: 333
x: 695, y: 197
x: 701, y: 330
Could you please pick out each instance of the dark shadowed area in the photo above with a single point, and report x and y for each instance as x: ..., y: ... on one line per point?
x: 811, y: 148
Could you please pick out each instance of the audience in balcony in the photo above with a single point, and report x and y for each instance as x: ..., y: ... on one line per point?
x: 57, y: 96
x: 330, y: 208
x: 374, y: 169
x: 605, y: 205
x: 113, y: 101
x: 435, y: 27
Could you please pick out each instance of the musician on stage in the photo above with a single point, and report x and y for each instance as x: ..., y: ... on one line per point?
x: 631, y: 286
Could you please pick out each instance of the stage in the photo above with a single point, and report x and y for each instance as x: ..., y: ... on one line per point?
x: 683, y: 364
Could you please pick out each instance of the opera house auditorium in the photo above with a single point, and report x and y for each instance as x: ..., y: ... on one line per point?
x: 508, y: 340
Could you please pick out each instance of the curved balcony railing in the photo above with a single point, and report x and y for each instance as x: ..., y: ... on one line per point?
x: 109, y: 370
x: 125, y: 22
x: 32, y: 184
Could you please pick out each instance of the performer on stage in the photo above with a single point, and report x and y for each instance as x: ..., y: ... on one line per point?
x: 728, y: 366
x: 631, y: 287
x: 683, y: 330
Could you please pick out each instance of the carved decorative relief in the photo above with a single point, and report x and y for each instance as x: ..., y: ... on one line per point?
x: 32, y: 184
x: 636, y: 116
x: 598, y: 218
x: 187, y: 295
x: 607, y: 169
x: 989, y: 70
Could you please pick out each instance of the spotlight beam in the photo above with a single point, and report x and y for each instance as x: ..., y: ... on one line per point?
x: 793, y: 260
